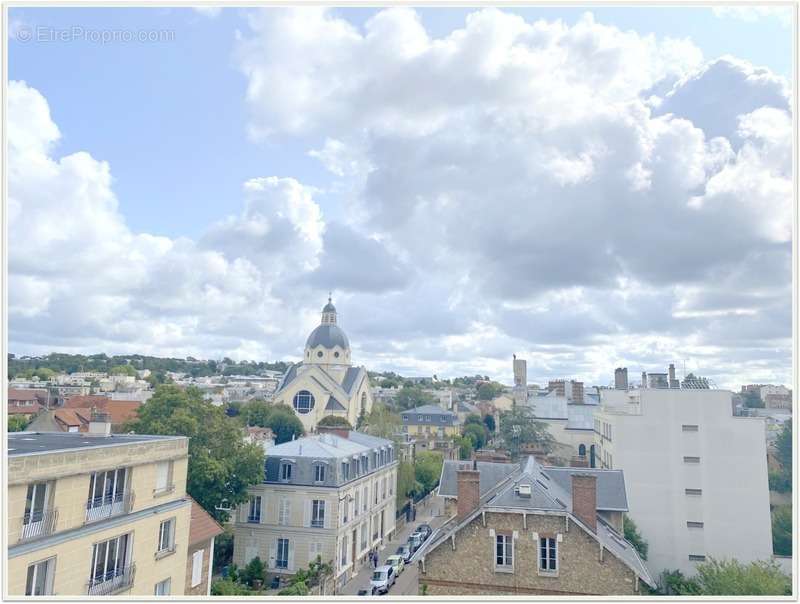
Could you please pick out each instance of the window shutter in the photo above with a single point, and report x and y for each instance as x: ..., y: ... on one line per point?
x: 291, y: 555
x: 197, y: 567
x: 307, y: 513
x: 273, y: 552
x: 162, y: 471
x: 327, y: 519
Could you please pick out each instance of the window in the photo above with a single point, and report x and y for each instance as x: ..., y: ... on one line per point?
x: 690, y: 524
x: 694, y: 491
x: 690, y: 428
x: 197, y: 567
x: 36, y: 506
x: 303, y: 401
x: 687, y: 459
x: 504, y: 551
x: 314, y: 550
x: 318, y: 513
x: 365, y: 463
x: 345, y: 505
x: 282, y: 557
x: 106, y: 488
x: 286, y: 472
x: 319, y: 473
x: 383, y: 487
x: 163, y: 588
x: 166, y: 535
x: 345, y: 470
x: 109, y: 560
x: 357, y: 506
x: 548, y: 554
x: 391, y: 484
x: 40, y: 578
x: 364, y: 535
x: 254, y: 513
x: 366, y: 497
x: 164, y: 477
x: 697, y: 557
x: 319, y: 354
x: 283, y: 512
x: 344, y: 550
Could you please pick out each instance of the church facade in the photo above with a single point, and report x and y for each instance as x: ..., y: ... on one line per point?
x: 325, y: 382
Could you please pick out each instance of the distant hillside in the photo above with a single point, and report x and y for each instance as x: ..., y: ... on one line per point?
x: 70, y: 363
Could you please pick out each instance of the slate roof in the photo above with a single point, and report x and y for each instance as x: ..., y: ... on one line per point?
x: 547, y: 494
x: 334, y: 405
x: 350, y: 378
x: 611, y: 494
x: 328, y: 335
x: 491, y: 473
x: 437, y: 416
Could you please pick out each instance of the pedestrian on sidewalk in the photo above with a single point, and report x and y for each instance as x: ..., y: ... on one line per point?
x: 375, y: 560
x: 371, y: 556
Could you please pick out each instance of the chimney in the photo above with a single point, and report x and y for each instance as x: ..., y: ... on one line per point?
x: 469, y: 491
x: 100, y: 423
x: 339, y: 431
x: 644, y: 379
x: 584, y: 499
x: 579, y: 461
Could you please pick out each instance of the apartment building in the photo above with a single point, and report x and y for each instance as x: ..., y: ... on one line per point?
x: 696, y: 474
x: 527, y: 529
x: 96, y: 514
x: 432, y: 420
x: 330, y: 495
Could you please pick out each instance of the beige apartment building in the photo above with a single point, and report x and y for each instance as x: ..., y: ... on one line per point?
x: 97, y: 514
x: 330, y: 495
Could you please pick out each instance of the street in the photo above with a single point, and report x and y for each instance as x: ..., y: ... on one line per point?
x: 406, y: 584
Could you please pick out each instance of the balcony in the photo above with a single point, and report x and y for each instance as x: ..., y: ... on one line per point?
x: 114, y: 581
x: 38, y: 524
x: 107, y: 506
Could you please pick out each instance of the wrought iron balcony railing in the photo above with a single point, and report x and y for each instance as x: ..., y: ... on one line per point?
x: 106, y: 506
x: 38, y: 524
x: 114, y: 581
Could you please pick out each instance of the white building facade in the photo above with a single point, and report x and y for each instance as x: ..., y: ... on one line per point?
x: 696, y: 474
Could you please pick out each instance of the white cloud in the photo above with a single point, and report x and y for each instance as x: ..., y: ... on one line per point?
x: 754, y: 13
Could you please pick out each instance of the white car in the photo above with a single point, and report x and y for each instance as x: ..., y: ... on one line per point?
x: 383, y: 578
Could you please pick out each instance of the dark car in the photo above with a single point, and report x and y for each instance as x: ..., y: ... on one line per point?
x: 366, y: 592
x: 406, y: 552
x: 425, y: 529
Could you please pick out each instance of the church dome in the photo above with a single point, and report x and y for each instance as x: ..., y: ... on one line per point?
x: 328, y: 335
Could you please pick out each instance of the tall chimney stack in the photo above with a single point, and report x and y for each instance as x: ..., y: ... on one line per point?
x: 584, y: 499
x: 469, y: 491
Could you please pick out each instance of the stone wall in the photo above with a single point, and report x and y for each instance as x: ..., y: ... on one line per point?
x: 470, y: 570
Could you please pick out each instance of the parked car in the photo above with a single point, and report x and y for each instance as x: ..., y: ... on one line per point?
x: 397, y: 563
x: 425, y: 529
x: 382, y: 579
x: 414, y: 541
x: 406, y: 552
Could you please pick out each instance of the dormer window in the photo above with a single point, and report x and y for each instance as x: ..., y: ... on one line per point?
x: 286, y: 471
x: 319, y: 472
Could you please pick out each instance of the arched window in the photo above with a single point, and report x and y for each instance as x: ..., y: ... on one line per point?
x: 303, y: 401
x: 363, y: 402
x: 582, y: 450
x: 592, y: 457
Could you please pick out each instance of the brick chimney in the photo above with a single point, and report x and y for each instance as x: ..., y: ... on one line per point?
x: 340, y: 431
x: 584, y: 499
x: 469, y: 490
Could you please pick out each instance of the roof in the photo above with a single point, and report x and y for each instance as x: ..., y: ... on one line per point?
x: 85, y: 401
x: 434, y: 413
x: 16, y: 394
x: 350, y: 378
x: 491, y: 473
x: 547, y: 494
x: 119, y: 410
x: 327, y: 335
x: 334, y: 405
x: 611, y: 494
x: 202, y: 526
x: 73, y: 417
x: 32, y: 443
x: 26, y: 409
x: 327, y: 445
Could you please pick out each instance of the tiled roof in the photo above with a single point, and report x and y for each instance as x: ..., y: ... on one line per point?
x: 201, y: 525
x: 85, y: 401
x: 120, y: 411
x: 23, y: 409
x: 73, y: 417
x: 16, y: 394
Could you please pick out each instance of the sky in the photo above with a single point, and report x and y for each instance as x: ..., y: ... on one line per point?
x: 586, y: 188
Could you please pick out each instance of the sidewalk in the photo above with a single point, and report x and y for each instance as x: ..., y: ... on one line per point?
x: 431, y: 513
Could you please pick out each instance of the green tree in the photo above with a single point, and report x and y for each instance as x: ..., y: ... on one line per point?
x: 633, y: 537
x: 465, y: 447
x: 221, y: 465
x: 17, y: 423
x: 227, y: 587
x: 752, y: 400
x: 285, y: 425
x: 223, y: 549
x: 123, y: 370
x: 382, y: 421
x: 335, y: 421
x: 476, y: 433
x: 255, y: 413
x: 488, y: 421
x: 733, y: 578
x: 783, y: 446
x: 782, y: 530
x: 674, y: 583
x: 518, y: 427
x: 44, y: 374
x: 409, y: 397
x: 295, y: 589
x: 428, y: 469
x: 489, y: 390
x: 406, y: 482
x: 254, y: 571
x: 473, y: 418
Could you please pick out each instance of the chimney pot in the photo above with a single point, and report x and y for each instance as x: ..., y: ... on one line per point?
x: 584, y: 499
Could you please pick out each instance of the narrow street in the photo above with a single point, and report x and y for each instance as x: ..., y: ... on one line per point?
x: 433, y: 514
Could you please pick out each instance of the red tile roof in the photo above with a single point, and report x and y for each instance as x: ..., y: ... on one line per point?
x: 73, y: 417
x: 120, y: 411
x: 16, y: 394
x: 23, y: 409
x: 86, y: 401
x: 201, y: 525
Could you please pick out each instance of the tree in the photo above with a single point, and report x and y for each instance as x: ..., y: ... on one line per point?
x: 255, y: 413
x: 465, y: 447
x: 733, y: 578
x: 44, y: 374
x: 295, y: 589
x: 473, y: 418
x: 488, y: 421
x: 633, y: 537
x: 382, y: 422
x: 223, y: 549
x: 17, y: 423
x: 518, y: 427
x: 752, y: 400
x: 221, y: 465
x: 782, y: 530
x: 412, y: 396
x: 489, y: 390
x: 783, y: 446
x: 123, y: 370
x: 476, y: 433
x: 406, y: 482
x: 427, y: 469
x: 335, y: 421
x: 228, y: 587
x: 253, y: 572
x: 285, y: 425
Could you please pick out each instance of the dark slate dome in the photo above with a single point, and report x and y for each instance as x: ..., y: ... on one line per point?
x: 328, y: 335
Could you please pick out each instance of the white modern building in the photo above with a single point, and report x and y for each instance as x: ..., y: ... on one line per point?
x: 696, y: 474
